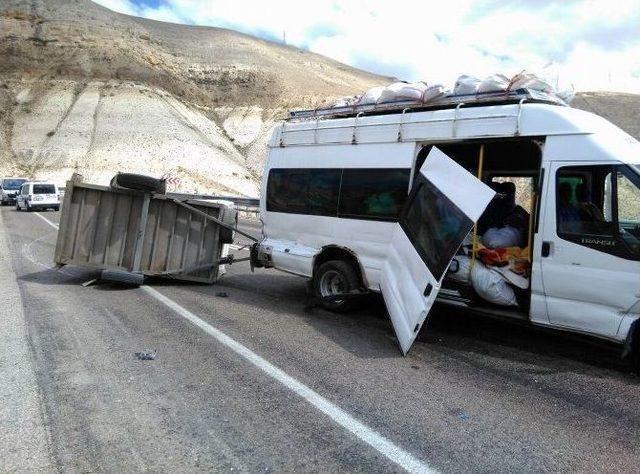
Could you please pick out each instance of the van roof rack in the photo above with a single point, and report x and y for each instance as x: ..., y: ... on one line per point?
x: 445, y: 101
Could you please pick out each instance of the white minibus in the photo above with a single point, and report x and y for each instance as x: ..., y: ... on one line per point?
x: 516, y: 207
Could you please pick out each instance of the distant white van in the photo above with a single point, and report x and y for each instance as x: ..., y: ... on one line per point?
x: 9, y: 188
x: 384, y: 200
x: 38, y: 195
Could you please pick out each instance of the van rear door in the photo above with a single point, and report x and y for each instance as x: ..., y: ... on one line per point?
x: 443, y: 205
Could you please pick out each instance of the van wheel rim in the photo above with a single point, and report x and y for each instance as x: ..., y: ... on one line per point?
x: 333, y: 283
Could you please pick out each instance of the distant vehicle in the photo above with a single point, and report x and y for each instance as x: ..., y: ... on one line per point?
x: 36, y: 195
x: 384, y: 201
x: 9, y: 188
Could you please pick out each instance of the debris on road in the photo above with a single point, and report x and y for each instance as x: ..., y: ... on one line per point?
x: 146, y: 355
x: 222, y: 294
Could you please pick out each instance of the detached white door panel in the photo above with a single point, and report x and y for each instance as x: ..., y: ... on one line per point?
x: 443, y: 205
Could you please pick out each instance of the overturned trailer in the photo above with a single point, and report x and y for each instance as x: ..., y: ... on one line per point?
x: 133, y: 233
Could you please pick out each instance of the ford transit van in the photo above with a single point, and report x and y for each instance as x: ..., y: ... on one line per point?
x: 513, y: 206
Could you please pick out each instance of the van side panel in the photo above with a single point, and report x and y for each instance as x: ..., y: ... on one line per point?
x: 587, y: 290
x: 295, y: 239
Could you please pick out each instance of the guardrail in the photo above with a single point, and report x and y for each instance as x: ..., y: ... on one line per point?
x: 242, y: 203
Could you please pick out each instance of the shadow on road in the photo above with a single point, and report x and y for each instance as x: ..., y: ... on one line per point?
x: 367, y: 333
x: 543, y: 349
x: 68, y: 276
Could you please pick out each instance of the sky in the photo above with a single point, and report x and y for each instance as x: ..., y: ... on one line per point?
x: 582, y: 44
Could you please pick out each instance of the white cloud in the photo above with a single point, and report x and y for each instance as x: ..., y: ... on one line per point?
x: 593, y: 44
x: 120, y: 6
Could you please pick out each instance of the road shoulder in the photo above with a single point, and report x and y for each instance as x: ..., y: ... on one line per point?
x: 23, y: 436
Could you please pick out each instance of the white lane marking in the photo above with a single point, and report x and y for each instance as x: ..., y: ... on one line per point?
x: 52, y: 224
x: 396, y: 454
x: 27, y: 250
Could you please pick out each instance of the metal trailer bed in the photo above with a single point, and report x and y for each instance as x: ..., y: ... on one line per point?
x: 134, y: 231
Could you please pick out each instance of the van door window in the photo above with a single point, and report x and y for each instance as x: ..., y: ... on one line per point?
x: 435, y: 225
x: 592, y: 209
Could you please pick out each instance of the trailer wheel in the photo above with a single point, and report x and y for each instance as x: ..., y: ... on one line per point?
x: 336, y: 277
x: 139, y: 182
x: 122, y: 277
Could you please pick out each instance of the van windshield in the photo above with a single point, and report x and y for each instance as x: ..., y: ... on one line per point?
x: 44, y: 189
x: 12, y: 184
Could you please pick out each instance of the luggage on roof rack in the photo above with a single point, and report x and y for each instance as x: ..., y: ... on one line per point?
x: 444, y: 101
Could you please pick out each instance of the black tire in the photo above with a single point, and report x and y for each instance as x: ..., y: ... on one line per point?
x: 347, y: 281
x: 28, y: 208
x: 122, y: 277
x: 56, y: 208
x: 17, y: 207
x: 139, y: 182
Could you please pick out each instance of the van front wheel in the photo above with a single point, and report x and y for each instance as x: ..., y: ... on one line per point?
x: 336, y: 277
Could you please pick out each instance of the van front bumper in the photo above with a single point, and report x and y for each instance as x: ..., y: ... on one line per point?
x: 8, y: 199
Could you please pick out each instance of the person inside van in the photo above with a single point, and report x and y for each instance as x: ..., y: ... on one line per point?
x: 499, y: 208
x: 587, y: 210
x: 568, y: 215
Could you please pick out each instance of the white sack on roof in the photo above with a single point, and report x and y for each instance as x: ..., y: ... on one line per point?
x: 527, y: 80
x: 432, y: 92
x: 466, y: 85
x: 399, y: 91
x: 410, y: 91
x: 494, y: 83
x: 371, y: 96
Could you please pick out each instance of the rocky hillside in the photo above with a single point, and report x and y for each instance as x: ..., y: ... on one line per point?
x: 87, y: 89
x: 619, y: 108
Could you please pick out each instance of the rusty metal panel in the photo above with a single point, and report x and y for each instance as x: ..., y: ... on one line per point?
x: 107, y: 228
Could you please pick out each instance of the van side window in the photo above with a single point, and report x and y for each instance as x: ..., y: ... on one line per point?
x: 303, y: 191
x: 373, y: 193
x: 595, y: 208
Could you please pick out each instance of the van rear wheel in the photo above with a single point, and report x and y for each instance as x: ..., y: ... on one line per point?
x: 336, y: 277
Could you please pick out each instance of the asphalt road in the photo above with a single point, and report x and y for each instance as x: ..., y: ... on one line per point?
x: 221, y: 394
